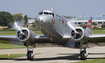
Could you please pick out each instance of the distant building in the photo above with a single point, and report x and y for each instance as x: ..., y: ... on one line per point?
x: 30, y: 21
x: 99, y: 20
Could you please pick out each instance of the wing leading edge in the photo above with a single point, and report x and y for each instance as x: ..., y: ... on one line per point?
x: 13, y: 37
x: 41, y: 40
x: 8, y: 37
x: 97, y: 38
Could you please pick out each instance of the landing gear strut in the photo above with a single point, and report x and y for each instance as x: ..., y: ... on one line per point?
x: 30, y: 53
x: 83, y: 53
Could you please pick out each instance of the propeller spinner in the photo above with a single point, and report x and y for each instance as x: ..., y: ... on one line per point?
x: 22, y: 34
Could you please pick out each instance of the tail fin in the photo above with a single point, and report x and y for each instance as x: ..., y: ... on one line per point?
x: 89, y: 26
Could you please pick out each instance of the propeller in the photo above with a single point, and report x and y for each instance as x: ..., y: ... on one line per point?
x: 22, y: 34
x: 77, y: 34
x: 17, y: 24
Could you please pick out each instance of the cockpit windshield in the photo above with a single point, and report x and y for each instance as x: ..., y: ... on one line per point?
x: 47, y: 13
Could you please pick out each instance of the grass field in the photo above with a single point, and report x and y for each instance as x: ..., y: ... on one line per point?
x: 98, y: 31
x: 5, y: 56
x: 13, y: 32
x: 10, y: 45
x: 37, y: 32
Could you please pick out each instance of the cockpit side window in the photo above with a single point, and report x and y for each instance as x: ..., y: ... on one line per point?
x: 53, y: 14
x: 40, y: 13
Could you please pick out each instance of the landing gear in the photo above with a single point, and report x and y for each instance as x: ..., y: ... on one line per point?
x: 30, y: 53
x: 83, y: 53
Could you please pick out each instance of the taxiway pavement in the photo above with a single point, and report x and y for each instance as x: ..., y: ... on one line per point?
x: 53, y: 55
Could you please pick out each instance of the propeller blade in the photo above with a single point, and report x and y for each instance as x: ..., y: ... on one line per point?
x: 17, y: 24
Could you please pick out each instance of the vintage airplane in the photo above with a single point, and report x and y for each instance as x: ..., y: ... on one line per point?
x: 57, y: 29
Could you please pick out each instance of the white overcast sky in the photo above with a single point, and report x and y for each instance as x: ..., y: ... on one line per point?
x: 63, y: 7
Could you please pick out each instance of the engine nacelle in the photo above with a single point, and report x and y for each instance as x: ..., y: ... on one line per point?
x: 26, y: 36
x: 77, y: 36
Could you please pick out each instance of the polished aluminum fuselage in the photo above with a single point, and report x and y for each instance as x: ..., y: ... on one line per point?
x: 54, y: 27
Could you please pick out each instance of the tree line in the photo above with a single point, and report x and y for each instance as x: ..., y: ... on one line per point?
x: 7, y: 18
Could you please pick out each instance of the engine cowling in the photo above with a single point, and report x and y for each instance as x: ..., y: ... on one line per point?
x: 77, y: 36
x: 26, y: 36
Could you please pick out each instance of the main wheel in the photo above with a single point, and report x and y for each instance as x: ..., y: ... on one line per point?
x: 83, y: 55
x: 29, y: 55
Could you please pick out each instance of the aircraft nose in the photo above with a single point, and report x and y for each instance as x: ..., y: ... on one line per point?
x: 41, y: 19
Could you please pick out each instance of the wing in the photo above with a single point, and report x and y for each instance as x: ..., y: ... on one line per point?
x: 97, y: 40
x: 41, y: 40
x: 8, y: 37
x: 97, y: 37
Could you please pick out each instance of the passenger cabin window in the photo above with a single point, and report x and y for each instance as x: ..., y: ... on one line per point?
x: 62, y: 22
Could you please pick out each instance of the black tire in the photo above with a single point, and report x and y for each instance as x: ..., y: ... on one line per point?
x: 29, y: 57
x: 83, y: 57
